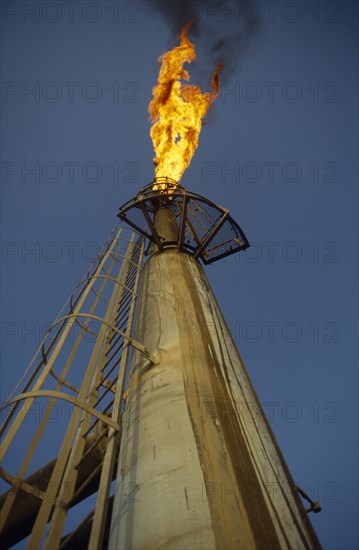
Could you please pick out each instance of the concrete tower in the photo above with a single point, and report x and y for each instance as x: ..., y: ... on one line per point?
x: 198, y: 466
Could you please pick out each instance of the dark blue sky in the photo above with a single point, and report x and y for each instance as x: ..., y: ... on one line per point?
x: 279, y: 150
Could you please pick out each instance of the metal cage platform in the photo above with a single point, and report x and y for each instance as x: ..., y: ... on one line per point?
x: 201, y: 228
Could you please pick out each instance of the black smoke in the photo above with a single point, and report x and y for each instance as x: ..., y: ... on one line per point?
x: 176, y: 13
x: 225, y: 28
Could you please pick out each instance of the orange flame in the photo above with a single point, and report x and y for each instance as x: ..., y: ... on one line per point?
x: 177, y: 110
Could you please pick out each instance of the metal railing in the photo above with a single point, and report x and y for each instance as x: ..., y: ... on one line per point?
x: 62, y: 431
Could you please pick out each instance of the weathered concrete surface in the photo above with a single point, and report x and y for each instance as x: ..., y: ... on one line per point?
x: 199, y: 467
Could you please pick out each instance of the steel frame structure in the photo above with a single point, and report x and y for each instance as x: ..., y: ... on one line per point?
x: 205, y: 230
x: 75, y: 385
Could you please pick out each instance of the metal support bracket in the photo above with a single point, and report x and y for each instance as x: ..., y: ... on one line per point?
x: 153, y: 358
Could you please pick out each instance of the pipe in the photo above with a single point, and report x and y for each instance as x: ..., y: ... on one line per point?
x: 25, y: 508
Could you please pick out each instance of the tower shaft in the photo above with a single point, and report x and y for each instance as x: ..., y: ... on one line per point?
x: 198, y: 466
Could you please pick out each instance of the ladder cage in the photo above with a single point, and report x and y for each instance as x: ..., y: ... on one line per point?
x: 62, y: 423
